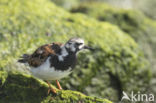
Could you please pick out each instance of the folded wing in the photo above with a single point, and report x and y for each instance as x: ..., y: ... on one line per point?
x: 41, y: 54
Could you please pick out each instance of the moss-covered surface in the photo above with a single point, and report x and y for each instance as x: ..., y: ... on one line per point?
x: 19, y: 88
x: 115, y: 65
x: 135, y: 23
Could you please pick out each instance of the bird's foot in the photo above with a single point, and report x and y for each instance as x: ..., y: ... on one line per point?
x: 51, y: 90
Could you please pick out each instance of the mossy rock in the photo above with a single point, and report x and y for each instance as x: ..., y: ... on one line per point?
x: 17, y: 88
x: 115, y: 65
x: 135, y: 23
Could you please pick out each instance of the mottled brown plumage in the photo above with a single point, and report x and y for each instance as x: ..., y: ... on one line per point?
x: 41, y: 54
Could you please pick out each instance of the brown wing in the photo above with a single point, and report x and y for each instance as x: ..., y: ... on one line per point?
x: 42, y: 53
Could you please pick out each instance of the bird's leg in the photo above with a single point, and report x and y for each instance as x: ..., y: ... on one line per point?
x: 58, y: 85
x: 51, y: 88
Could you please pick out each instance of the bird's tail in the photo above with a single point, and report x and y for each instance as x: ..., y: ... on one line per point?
x: 24, y: 58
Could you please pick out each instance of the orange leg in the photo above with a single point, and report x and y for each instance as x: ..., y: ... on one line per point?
x: 58, y: 84
x: 51, y: 88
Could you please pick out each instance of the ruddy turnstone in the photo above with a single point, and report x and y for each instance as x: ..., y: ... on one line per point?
x: 54, y: 61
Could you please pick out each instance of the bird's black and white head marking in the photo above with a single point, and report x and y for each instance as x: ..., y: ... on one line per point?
x: 71, y: 47
x: 75, y: 44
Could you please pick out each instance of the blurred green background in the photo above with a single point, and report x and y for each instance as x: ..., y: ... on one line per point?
x: 122, y: 32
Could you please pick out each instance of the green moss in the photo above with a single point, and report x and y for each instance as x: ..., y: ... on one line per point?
x: 19, y: 88
x: 73, y: 96
x: 137, y: 25
x: 3, y: 76
x: 128, y: 20
x: 115, y: 65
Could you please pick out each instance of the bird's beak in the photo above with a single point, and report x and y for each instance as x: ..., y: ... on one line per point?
x: 87, y: 47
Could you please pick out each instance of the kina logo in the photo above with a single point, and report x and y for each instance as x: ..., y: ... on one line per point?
x: 137, y: 97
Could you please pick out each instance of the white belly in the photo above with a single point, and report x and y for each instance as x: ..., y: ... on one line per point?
x: 46, y: 72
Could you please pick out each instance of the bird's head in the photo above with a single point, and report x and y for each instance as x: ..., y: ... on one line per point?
x: 76, y: 44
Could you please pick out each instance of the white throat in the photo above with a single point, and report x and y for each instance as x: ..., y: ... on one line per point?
x: 63, y: 54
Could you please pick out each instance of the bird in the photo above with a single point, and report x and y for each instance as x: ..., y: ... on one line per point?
x: 54, y: 61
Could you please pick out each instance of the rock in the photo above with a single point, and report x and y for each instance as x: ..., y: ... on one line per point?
x: 115, y: 65
x: 17, y: 88
x: 133, y: 22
